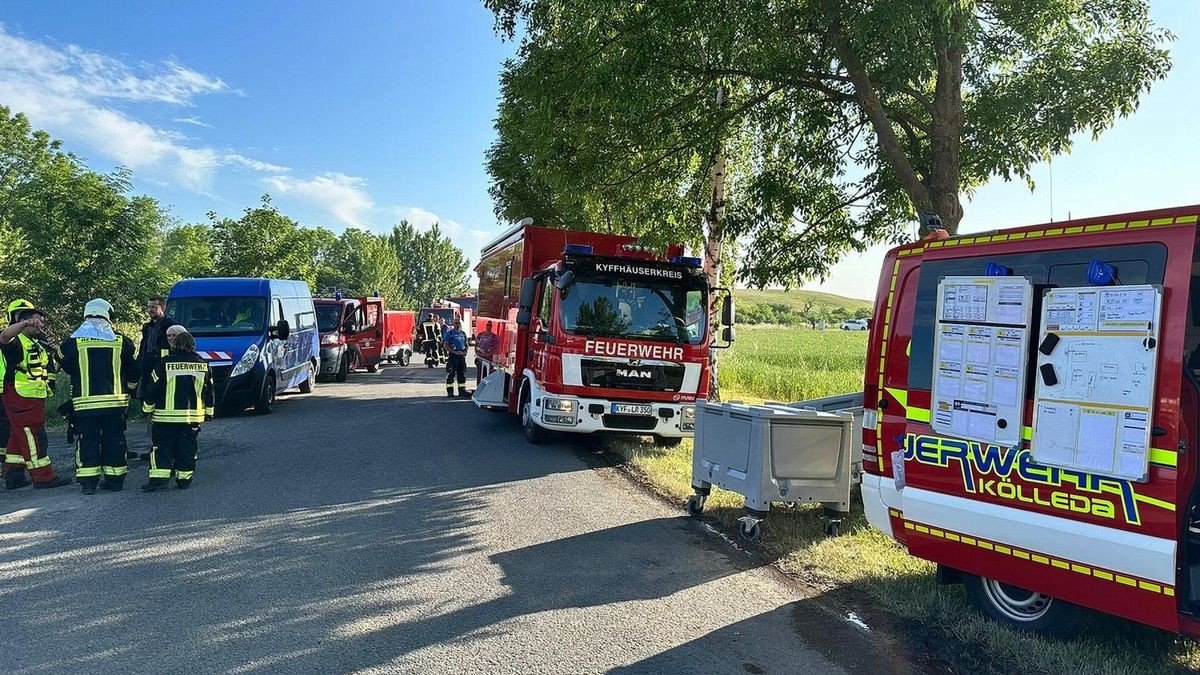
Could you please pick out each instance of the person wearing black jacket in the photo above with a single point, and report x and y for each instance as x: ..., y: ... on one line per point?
x: 152, y: 348
x: 179, y: 399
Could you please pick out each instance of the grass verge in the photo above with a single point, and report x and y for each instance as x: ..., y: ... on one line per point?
x: 864, y: 566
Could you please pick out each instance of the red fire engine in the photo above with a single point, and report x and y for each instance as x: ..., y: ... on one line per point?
x: 1033, y: 415
x: 583, y: 332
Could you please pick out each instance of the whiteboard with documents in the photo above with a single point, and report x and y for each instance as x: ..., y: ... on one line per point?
x: 981, y: 353
x: 1094, y: 392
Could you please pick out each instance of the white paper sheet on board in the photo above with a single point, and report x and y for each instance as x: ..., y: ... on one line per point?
x: 1056, y: 432
x: 1004, y: 391
x: 1097, y: 434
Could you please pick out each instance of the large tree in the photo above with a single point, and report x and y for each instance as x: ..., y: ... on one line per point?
x: 431, y: 266
x: 364, y: 263
x: 833, y: 123
x: 266, y: 243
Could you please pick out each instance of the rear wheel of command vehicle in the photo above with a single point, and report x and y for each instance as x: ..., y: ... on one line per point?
x: 266, y: 400
x: 405, y: 357
x: 309, y: 383
x: 533, y: 433
x: 1022, y: 610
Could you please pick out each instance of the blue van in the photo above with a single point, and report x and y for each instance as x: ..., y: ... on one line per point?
x: 258, y: 335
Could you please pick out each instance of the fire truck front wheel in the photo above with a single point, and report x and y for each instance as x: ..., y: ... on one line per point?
x: 1021, y: 609
x: 533, y: 433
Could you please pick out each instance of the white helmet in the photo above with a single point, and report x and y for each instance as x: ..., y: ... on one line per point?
x: 98, y: 308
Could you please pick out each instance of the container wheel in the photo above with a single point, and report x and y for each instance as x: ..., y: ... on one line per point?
x: 833, y: 528
x: 695, y: 505
x: 750, y: 531
x: 1021, y: 609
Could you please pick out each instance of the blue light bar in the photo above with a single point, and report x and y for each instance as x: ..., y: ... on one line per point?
x: 684, y: 260
x: 578, y: 249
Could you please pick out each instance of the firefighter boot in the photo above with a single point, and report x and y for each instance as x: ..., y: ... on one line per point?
x: 155, y: 485
x: 113, y: 483
x: 88, y: 485
x: 183, y: 483
x: 16, y: 478
x: 57, y: 481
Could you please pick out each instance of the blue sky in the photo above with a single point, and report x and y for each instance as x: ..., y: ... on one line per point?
x: 347, y: 113
x: 363, y: 113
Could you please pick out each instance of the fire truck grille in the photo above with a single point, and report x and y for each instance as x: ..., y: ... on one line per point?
x: 630, y: 422
x: 616, y: 375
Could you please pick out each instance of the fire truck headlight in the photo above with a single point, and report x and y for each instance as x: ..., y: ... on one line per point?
x: 687, y: 418
x: 559, y: 410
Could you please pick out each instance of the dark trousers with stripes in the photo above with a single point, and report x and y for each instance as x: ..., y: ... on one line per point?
x: 100, y: 447
x: 456, y: 373
x: 174, y: 450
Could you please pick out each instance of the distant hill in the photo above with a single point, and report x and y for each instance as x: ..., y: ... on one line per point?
x: 797, y: 299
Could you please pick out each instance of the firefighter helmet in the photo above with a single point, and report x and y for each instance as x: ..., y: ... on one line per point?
x: 18, y: 308
x: 99, y: 308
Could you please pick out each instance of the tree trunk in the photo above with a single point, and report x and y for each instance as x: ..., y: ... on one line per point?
x: 714, y: 218
x: 948, y: 121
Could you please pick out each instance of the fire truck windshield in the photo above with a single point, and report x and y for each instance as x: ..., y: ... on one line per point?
x: 635, y: 310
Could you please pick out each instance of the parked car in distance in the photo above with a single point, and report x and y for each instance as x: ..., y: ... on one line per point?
x: 855, y: 324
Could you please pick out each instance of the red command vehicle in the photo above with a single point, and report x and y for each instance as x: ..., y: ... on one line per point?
x: 1032, y: 417
x: 361, y: 333
x: 583, y: 332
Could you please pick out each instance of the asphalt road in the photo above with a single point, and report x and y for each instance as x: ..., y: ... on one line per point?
x: 375, y: 526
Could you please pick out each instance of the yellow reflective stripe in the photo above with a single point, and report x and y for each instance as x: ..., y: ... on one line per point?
x: 13, y: 459
x: 102, y: 401
x: 184, y: 475
x: 1164, y: 457
x: 210, y: 411
x: 160, y: 473
x: 1155, y: 502
x: 115, y: 470
x: 38, y: 462
x: 85, y: 370
x: 87, y: 472
x: 170, y: 416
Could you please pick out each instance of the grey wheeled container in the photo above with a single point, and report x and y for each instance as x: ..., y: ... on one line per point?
x: 775, y: 453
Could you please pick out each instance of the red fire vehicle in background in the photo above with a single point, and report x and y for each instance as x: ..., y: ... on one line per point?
x: 584, y: 332
x: 1033, y: 413
x: 361, y: 333
x: 447, y: 310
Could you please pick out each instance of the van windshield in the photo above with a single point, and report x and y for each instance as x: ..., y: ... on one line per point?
x: 219, y: 316
x: 635, y: 310
x: 329, y: 317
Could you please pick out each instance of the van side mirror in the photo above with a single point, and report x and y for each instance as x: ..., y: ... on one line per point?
x: 282, y: 330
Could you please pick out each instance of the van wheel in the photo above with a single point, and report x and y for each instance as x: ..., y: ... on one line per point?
x: 533, y: 433
x: 310, y: 381
x: 343, y: 369
x: 1022, y: 610
x: 266, y: 401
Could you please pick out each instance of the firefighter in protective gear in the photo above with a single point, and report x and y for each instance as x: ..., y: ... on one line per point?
x: 180, y: 398
x: 28, y: 381
x: 103, y: 372
x: 455, y: 341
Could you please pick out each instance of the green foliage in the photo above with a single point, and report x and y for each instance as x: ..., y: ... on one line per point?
x: 266, y: 243
x: 362, y: 263
x: 187, y: 251
x: 431, y: 267
x: 839, y: 120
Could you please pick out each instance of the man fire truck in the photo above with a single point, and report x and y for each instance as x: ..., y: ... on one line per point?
x: 1034, y: 416
x: 583, y: 332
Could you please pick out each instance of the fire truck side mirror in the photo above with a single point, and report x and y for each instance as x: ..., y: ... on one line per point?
x: 528, y: 291
x: 727, y: 311
x: 728, y: 334
x: 565, y: 281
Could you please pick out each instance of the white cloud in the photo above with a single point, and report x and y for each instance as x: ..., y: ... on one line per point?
x: 341, y: 196
x: 194, y: 121
x: 423, y: 219
x: 67, y: 91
